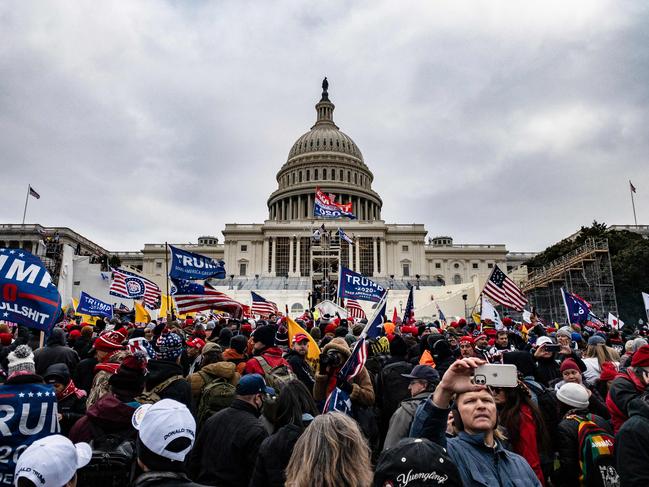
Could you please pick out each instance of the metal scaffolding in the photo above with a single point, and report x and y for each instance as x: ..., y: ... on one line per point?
x: 585, y: 271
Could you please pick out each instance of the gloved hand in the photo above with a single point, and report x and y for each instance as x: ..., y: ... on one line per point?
x: 345, y: 386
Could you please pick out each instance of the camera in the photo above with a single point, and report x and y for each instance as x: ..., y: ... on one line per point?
x: 330, y: 359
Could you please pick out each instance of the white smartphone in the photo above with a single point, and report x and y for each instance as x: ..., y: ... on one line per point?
x: 496, y: 375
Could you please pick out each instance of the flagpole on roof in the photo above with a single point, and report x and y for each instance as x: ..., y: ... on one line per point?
x: 631, y: 190
x: 26, y: 200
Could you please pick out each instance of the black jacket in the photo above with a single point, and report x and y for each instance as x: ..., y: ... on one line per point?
x: 164, y: 479
x: 567, y: 432
x: 301, y: 368
x: 274, y: 455
x: 161, y: 370
x: 226, y: 448
x: 73, y: 406
x: 85, y: 373
x: 56, y: 352
x: 632, y: 446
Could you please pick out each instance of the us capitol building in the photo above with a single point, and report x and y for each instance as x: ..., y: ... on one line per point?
x: 280, y: 255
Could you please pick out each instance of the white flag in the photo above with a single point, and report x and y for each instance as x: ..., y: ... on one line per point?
x: 614, y: 322
x: 645, y: 298
x: 527, y: 316
x: 488, y: 312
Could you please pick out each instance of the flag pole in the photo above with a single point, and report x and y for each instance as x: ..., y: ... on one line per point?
x: 26, y: 200
x: 167, y: 279
x: 635, y: 219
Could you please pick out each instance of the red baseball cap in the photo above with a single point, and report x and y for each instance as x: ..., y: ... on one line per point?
x: 196, y: 343
x: 300, y: 337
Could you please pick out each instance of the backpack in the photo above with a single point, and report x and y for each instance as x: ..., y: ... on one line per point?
x: 277, y: 376
x: 393, y: 387
x: 112, y: 462
x: 153, y: 396
x: 596, y: 454
x: 216, y: 394
x: 547, y: 403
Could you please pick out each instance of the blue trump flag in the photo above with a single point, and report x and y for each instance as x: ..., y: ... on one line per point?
x: 352, y: 285
x: 190, y: 266
x: 27, y: 294
x: 577, y: 309
x: 93, y: 306
x: 30, y: 413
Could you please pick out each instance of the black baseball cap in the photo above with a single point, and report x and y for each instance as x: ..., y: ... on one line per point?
x: 423, y: 372
x: 416, y: 462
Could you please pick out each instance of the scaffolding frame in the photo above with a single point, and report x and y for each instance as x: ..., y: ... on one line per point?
x: 585, y: 271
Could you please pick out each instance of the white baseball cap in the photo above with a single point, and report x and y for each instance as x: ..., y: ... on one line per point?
x: 52, y: 461
x: 540, y: 341
x: 163, y: 422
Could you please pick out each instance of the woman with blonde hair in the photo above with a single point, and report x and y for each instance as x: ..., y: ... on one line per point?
x: 597, y: 354
x: 331, y: 452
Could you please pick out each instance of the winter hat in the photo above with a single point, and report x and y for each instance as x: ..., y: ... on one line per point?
x: 461, y: 322
x: 569, y: 364
x: 608, y: 372
x: 596, y: 340
x: 637, y: 343
x: 576, y: 337
x: 281, y: 337
x: 74, y: 335
x: 225, y: 335
x: 467, y: 339
x: 265, y: 334
x: 574, y: 395
x: 196, y: 343
x: 565, y: 331
x: 130, y: 374
x: 239, y: 343
x: 357, y: 329
x: 211, y: 347
x: 57, y: 373
x: 416, y: 462
x: 141, y: 344
x: 170, y: 346
x: 316, y: 334
x: 398, y: 347
x: 246, y: 329
x: 166, y: 433
x: 340, y: 332
x: 640, y: 357
x: 108, y: 341
x: 330, y: 328
x: 52, y: 461
x: 21, y: 359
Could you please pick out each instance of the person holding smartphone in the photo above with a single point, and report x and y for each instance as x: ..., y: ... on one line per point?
x: 477, y: 452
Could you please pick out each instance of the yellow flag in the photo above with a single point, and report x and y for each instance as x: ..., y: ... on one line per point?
x: 476, y: 318
x: 313, y: 353
x: 164, y: 305
x: 141, y: 314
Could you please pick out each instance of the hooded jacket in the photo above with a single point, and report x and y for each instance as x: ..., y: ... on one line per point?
x: 226, y: 370
x: 238, y: 359
x: 632, y: 446
x: 478, y: 464
x: 107, y: 415
x: 56, y: 352
x: 72, y: 407
x: 402, y: 419
x: 301, y: 368
x: 624, y: 388
x: 362, y: 390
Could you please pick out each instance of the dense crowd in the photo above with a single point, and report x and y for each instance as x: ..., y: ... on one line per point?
x: 223, y: 402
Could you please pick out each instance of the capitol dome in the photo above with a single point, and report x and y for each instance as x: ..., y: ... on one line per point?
x: 327, y: 158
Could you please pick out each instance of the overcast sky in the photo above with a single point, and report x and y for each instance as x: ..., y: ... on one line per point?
x: 492, y: 122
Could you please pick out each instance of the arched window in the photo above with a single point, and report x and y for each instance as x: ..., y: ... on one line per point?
x: 457, y: 279
x: 324, y: 174
x: 315, y: 174
x: 300, y: 176
x: 308, y: 175
x: 341, y: 175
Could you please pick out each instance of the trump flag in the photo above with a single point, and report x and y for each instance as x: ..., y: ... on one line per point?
x: 191, y: 266
x: 27, y: 294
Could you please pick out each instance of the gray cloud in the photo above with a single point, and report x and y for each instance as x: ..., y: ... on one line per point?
x: 150, y: 121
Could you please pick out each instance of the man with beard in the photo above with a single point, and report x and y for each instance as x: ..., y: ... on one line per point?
x: 296, y: 358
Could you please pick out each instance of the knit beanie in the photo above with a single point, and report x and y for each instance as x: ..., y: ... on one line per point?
x: 281, y: 337
x: 130, y: 375
x: 357, y: 330
x: 574, y: 395
x: 239, y: 343
x: 225, y: 335
x: 265, y: 334
x: 569, y: 364
x: 170, y: 347
x: 21, y: 359
x: 108, y: 341
x: 641, y: 357
x: 340, y: 332
x: 317, y: 335
x: 565, y: 331
x: 398, y: 347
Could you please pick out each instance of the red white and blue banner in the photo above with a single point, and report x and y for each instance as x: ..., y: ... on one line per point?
x: 131, y: 286
x: 30, y: 413
x: 325, y: 206
x: 192, y: 266
x: 27, y: 294
x: 352, y: 285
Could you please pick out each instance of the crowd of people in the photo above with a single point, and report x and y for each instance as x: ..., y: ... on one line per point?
x: 222, y: 402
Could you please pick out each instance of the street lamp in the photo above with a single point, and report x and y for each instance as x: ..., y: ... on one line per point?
x: 401, y: 306
x: 418, y: 280
x: 391, y: 281
x: 256, y: 281
x: 231, y: 279
x: 466, y: 312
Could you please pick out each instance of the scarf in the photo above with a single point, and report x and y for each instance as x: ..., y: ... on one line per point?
x: 69, y: 390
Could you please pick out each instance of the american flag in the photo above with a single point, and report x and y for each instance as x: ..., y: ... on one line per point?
x: 338, y: 400
x: 131, y: 286
x: 354, y: 309
x: 191, y: 297
x: 261, y: 306
x: 502, y: 289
